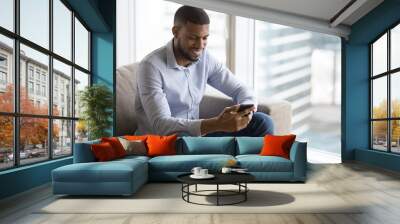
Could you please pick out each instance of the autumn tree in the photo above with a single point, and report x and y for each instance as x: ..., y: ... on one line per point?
x: 396, y: 123
x: 6, y: 122
x: 380, y: 127
x: 33, y: 130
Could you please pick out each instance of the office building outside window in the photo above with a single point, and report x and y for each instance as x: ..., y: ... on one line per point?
x: 34, y: 83
x: 301, y: 67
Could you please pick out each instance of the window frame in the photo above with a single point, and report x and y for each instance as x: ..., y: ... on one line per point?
x: 388, y: 74
x: 16, y: 114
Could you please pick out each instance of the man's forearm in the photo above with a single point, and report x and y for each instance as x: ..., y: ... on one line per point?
x: 209, y: 125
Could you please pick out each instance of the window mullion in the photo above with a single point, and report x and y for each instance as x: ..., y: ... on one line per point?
x: 16, y: 84
x: 371, y: 140
x: 253, y: 58
x: 230, y: 49
x: 389, y: 101
x: 73, y: 82
x: 50, y: 81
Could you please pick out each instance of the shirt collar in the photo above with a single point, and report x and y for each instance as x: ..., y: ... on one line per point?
x: 171, y: 60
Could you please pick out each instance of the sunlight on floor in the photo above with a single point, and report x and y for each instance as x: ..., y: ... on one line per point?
x: 320, y: 156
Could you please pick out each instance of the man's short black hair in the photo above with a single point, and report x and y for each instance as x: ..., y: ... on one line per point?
x: 191, y: 14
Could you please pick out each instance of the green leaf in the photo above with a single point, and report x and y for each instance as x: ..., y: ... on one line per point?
x: 96, y: 102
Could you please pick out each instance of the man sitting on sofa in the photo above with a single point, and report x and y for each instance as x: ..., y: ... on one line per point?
x: 172, y: 81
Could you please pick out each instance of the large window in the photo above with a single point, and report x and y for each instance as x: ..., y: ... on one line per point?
x: 140, y: 40
x: 298, y: 66
x: 39, y: 79
x: 385, y: 92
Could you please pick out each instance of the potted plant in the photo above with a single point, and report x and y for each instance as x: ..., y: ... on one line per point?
x: 96, y: 103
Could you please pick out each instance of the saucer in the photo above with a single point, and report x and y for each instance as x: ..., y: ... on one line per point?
x: 208, y: 176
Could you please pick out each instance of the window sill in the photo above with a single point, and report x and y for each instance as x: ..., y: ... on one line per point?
x: 26, y: 167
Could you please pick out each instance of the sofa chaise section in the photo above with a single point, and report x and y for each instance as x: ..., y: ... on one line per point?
x: 87, y: 177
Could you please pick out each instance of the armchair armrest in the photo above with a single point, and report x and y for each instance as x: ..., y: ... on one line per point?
x: 298, y: 155
x: 280, y: 112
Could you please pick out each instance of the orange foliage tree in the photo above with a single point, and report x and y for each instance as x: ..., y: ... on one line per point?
x: 34, y: 130
x: 380, y: 128
x: 6, y: 122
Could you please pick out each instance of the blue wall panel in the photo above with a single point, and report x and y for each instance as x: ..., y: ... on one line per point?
x: 102, y: 59
x: 377, y: 158
x: 24, y: 178
x: 103, y: 63
x: 356, y: 100
x: 356, y: 85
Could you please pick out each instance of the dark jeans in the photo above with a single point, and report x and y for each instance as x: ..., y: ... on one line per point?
x: 260, y: 125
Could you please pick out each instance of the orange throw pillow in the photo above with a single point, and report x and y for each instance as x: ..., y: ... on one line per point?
x: 161, y: 145
x: 275, y: 145
x: 103, y: 151
x: 135, y: 137
x: 116, y: 145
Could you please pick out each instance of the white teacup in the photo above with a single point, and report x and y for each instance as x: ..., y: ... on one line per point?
x: 226, y: 170
x: 196, y: 170
x: 203, y: 172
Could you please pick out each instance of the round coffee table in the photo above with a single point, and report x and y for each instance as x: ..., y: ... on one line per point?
x: 238, y: 179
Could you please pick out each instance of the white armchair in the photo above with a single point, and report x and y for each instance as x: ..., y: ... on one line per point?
x: 279, y: 110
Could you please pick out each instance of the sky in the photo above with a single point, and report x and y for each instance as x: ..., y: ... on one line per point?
x: 35, y: 27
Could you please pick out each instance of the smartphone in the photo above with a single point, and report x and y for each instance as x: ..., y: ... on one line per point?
x: 243, y: 107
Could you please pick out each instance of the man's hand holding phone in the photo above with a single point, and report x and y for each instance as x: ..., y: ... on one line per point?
x: 231, y: 119
x: 246, y: 109
x: 236, y: 117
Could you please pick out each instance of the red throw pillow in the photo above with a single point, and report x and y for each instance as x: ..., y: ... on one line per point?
x: 103, y: 151
x: 161, y: 145
x: 116, y: 145
x: 275, y: 145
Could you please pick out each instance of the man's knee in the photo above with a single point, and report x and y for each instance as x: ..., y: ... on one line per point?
x: 263, y: 123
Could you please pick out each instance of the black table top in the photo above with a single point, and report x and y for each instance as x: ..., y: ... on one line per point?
x: 220, y: 178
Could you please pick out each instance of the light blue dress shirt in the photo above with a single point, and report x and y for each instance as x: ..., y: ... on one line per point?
x: 169, y: 95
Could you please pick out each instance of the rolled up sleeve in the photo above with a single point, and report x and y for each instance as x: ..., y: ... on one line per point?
x: 156, y: 107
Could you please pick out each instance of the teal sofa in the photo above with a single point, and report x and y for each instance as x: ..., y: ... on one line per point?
x: 125, y: 176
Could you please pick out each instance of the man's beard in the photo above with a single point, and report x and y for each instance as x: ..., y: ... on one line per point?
x: 186, y: 54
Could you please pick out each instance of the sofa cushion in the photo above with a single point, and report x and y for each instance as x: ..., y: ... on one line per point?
x: 83, y: 152
x: 161, y: 145
x: 208, y: 145
x: 111, y: 171
x: 135, y: 147
x: 277, y: 145
x: 249, y: 145
x: 116, y: 145
x: 131, y: 158
x: 135, y: 137
x: 185, y: 163
x: 103, y: 152
x: 257, y: 163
